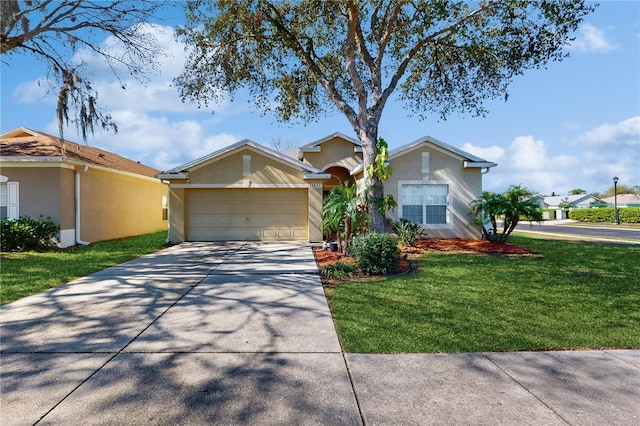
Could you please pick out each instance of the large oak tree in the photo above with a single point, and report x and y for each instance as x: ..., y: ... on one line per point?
x: 302, y: 58
x: 53, y: 31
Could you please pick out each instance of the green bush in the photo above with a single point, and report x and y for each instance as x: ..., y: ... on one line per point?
x: 408, y: 232
x: 338, y: 271
x: 26, y: 233
x: 607, y: 214
x: 376, y: 254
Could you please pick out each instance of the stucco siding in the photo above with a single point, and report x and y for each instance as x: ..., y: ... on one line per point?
x: 230, y: 170
x: 315, y: 212
x: 245, y: 194
x: 464, y: 186
x: 116, y: 205
x: 67, y: 199
x: 39, y: 191
x: 331, y: 152
x: 177, y: 214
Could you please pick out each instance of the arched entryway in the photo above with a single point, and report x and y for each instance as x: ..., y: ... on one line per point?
x: 339, y: 176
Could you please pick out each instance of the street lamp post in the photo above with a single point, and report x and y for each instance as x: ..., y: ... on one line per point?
x: 615, y: 200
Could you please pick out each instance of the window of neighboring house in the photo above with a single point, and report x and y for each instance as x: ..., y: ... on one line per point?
x: 3, y: 201
x: 8, y: 199
x: 165, y: 208
x: 425, y: 204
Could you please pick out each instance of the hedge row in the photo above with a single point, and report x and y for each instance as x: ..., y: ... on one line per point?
x: 607, y: 214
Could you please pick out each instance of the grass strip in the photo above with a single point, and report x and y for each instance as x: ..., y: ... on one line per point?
x: 26, y: 273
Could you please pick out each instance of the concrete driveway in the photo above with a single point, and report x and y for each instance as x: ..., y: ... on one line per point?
x: 240, y: 333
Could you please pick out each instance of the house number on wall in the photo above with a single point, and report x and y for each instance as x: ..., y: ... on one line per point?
x: 316, y: 185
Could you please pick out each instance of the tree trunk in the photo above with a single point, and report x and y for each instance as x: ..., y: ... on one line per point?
x: 347, y: 236
x: 368, y: 136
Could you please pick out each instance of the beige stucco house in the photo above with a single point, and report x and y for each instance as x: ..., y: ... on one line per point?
x: 248, y: 191
x: 92, y: 194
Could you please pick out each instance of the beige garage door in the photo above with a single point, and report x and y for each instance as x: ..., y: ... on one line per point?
x: 247, y: 214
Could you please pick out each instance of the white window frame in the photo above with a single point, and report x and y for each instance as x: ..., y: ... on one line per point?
x: 449, y: 216
x: 13, y: 197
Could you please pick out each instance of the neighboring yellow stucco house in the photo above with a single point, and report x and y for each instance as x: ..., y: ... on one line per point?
x: 248, y: 191
x: 92, y: 194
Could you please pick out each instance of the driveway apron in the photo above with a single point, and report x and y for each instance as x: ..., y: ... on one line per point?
x: 200, y: 333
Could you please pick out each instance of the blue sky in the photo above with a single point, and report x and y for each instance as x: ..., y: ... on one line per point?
x: 573, y: 125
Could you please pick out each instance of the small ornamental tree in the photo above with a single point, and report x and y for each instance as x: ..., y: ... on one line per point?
x: 340, y: 212
x: 510, y: 206
x: 565, y: 204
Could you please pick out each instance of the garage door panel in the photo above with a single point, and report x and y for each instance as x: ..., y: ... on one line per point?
x: 247, y: 214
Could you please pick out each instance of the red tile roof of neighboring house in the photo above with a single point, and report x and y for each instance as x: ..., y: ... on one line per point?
x: 24, y: 142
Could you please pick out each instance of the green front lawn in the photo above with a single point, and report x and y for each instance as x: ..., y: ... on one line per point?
x: 572, y: 295
x: 23, y: 274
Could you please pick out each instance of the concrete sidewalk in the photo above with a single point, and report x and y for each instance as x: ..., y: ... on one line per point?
x: 240, y: 333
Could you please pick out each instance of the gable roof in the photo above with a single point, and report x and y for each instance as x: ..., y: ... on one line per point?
x: 573, y: 199
x: 470, y: 160
x: 315, y: 146
x: 24, y: 144
x: 309, y: 170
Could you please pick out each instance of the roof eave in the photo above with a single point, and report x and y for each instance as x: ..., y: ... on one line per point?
x: 479, y: 164
x: 317, y: 175
x: 185, y: 168
x: 169, y: 176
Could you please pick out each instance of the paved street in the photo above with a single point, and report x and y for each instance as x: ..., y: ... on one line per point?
x: 597, y: 232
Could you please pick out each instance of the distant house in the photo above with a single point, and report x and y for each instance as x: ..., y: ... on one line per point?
x: 581, y: 201
x: 624, y: 200
x: 92, y: 194
x: 248, y: 191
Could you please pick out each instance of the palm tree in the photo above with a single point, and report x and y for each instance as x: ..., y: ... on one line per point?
x: 340, y: 212
x: 513, y: 204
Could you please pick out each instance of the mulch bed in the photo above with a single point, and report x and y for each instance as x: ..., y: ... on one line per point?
x: 327, y: 257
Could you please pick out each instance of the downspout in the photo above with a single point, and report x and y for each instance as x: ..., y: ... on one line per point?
x: 485, y: 171
x: 168, y: 183
x: 78, y: 240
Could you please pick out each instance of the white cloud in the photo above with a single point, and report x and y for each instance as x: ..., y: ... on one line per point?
x: 154, y: 126
x: 626, y: 132
x: 591, y: 39
x: 611, y: 150
x: 600, y: 153
x: 156, y: 141
x: 34, y: 92
x: 525, y: 162
x: 156, y: 92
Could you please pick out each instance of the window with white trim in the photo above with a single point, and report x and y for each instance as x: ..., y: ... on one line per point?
x: 425, y: 204
x: 8, y: 199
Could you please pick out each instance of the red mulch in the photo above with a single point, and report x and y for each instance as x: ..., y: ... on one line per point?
x: 327, y: 257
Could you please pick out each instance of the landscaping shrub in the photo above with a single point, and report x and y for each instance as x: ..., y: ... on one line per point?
x: 376, y: 254
x: 408, y: 232
x: 338, y: 271
x: 607, y: 214
x: 26, y: 233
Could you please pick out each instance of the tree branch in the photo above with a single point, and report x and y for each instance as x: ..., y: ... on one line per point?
x: 309, y: 62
